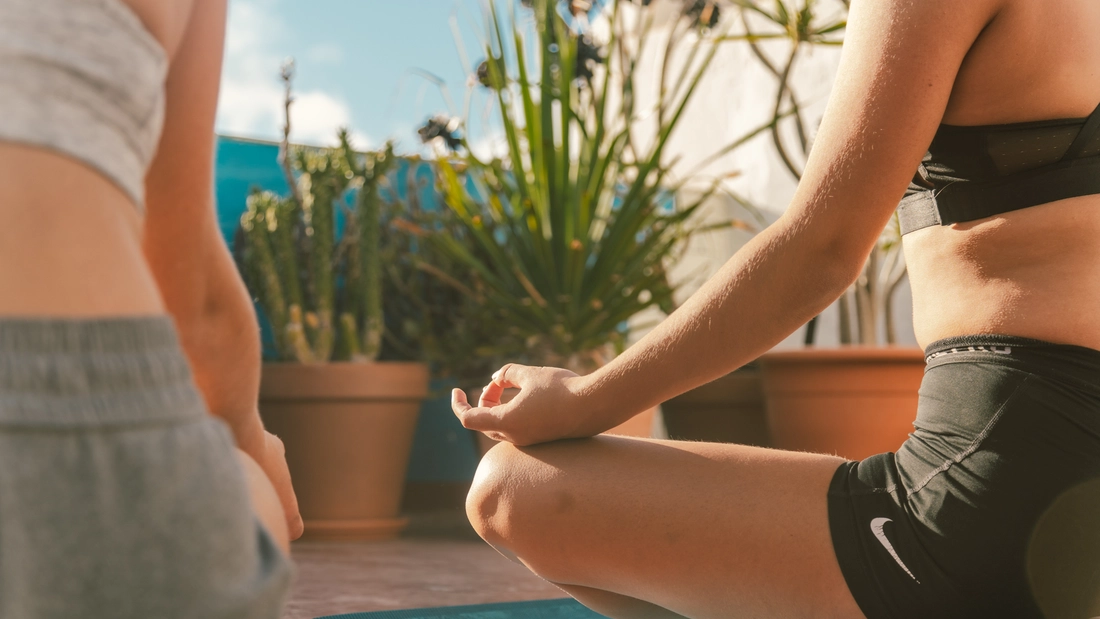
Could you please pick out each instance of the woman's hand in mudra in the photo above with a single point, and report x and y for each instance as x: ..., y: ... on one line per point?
x: 550, y: 406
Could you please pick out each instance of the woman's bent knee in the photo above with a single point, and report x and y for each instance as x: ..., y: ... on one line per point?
x: 265, y: 501
x: 508, y: 490
x: 518, y: 499
x: 489, y: 499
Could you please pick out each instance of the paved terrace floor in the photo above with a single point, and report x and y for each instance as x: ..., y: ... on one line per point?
x: 438, y: 562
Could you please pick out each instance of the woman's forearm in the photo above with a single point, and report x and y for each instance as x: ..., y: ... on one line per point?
x: 221, y: 337
x: 776, y: 283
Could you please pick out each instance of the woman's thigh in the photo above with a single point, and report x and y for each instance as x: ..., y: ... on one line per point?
x: 700, y: 529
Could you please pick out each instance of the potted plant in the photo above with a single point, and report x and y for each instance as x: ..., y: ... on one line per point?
x: 860, y: 399
x: 570, y: 234
x: 347, y: 421
x: 730, y: 409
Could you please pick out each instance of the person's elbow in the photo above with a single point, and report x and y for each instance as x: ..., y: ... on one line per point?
x: 836, y: 244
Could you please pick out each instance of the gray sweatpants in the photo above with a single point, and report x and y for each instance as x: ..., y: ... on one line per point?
x: 120, y: 496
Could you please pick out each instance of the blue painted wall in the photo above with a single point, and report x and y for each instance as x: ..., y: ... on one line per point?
x: 442, y: 450
x: 240, y: 166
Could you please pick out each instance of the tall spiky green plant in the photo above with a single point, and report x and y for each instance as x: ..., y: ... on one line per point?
x: 435, y: 309
x: 573, y: 230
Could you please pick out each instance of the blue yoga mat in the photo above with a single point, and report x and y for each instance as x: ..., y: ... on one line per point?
x: 540, y: 609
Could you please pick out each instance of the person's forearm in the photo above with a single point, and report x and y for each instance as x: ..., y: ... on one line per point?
x: 781, y: 279
x: 221, y: 338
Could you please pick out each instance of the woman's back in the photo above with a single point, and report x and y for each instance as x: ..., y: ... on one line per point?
x: 71, y: 245
x: 1030, y: 272
x: 110, y: 447
x: 1038, y: 59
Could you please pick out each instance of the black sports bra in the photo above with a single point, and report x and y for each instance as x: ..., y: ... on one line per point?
x: 972, y: 173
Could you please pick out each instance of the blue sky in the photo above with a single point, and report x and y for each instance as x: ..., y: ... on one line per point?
x: 354, y: 67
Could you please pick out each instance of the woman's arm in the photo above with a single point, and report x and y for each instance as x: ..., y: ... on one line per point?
x: 193, y: 268
x: 897, y: 69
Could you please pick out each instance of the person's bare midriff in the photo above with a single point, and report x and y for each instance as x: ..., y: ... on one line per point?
x: 1032, y: 273
x: 71, y: 241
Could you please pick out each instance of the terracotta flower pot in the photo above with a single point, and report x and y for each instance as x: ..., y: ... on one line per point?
x: 727, y: 410
x: 640, y: 425
x: 854, y: 402
x: 348, y: 429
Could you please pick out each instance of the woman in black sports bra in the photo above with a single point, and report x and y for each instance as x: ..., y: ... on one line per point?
x: 989, y: 509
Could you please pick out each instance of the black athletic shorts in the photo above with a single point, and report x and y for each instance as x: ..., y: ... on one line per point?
x: 991, y: 508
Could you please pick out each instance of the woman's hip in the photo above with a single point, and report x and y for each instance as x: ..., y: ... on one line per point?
x: 119, y: 493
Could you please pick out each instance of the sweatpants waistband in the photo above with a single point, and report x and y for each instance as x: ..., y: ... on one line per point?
x: 57, y: 372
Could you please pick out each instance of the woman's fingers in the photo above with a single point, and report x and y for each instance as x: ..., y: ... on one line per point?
x: 472, y: 418
x: 510, y: 376
x: 491, y: 394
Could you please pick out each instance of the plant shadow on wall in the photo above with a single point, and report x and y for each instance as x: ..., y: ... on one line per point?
x: 572, y: 231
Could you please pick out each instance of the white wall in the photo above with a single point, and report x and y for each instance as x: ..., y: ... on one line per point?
x: 738, y: 96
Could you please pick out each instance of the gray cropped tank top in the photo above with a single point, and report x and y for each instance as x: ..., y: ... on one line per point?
x: 86, y: 79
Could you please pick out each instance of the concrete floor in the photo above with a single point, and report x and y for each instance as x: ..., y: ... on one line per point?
x: 433, y: 565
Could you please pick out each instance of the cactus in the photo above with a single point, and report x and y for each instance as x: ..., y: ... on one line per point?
x: 289, y: 256
x: 260, y: 263
x: 291, y: 259
x: 324, y: 178
x: 270, y: 267
x: 369, y: 218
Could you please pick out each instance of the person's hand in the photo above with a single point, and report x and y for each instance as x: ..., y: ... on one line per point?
x: 272, y: 459
x: 550, y: 405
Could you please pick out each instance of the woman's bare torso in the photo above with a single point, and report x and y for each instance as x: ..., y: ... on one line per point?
x: 1033, y: 272
x: 70, y: 245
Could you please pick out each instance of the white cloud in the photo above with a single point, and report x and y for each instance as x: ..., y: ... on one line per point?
x: 315, y: 117
x: 251, y: 102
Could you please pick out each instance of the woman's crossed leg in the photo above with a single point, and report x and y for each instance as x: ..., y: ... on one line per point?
x: 655, y: 529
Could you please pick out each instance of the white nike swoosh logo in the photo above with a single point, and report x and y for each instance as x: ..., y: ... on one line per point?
x: 880, y: 535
